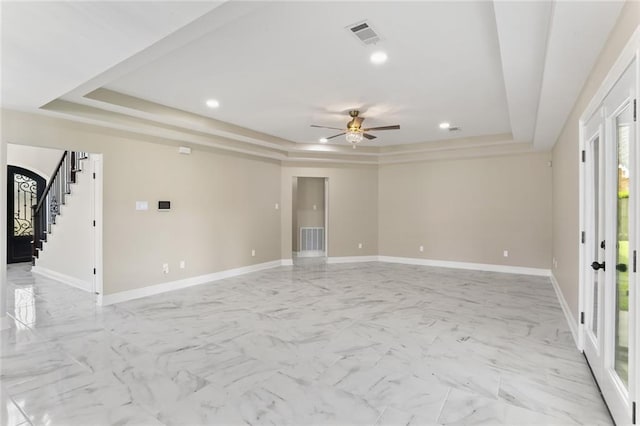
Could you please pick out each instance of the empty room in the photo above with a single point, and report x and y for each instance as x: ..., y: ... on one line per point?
x: 319, y: 212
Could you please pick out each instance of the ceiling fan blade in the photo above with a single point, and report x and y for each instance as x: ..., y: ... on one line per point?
x: 394, y: 127
x: 335, y: 136
x: 368, y: 136
x: 326, y: 127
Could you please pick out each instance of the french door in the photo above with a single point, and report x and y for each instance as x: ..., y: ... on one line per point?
x: 610, y: 245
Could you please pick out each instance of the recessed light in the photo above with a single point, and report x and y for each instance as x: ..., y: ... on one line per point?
x: 378, y: 57
x: 324, y: 140
x: 213, y: 103
x: 445, y: 125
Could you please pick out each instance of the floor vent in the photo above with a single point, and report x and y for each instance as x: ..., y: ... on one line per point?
x: 311, y: 239
x: 364, y: 32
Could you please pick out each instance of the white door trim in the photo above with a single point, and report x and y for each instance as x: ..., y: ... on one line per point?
x: 326, y: 217
x: 98, y: 279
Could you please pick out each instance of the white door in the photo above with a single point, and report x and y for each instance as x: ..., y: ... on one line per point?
x: 610, y: 246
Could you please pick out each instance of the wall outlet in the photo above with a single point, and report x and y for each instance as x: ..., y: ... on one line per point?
x: 505, y: 253
x: 555, y: 262
x: 182, y: 264
x: 359, y: 245
x: 421, y: 249
x: 277, y: 206
x: 315, y: 207
x: 165, y: 268
x: 253, y: 252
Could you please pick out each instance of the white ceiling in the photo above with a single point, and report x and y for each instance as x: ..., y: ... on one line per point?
x: 569, y: 61
x: 287, y: 66
x: 277, y: 67
x: 50, y: 48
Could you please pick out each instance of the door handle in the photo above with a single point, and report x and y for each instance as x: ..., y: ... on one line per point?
x: 621, y: 267
x: 596, y: 266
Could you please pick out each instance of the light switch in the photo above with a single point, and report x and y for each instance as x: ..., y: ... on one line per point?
x: 142, y: 205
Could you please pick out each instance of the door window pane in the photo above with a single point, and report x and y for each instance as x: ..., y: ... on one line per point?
x: 25, y: 195
x: 595, y: 146
x: 623, y: 130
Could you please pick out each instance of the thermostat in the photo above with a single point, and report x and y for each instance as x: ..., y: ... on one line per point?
x: 164, y: 206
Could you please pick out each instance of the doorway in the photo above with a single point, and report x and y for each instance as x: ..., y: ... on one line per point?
x: 70, y: 245
x: 309, y: 217
x: 610, y: 219
x: 24, y: 189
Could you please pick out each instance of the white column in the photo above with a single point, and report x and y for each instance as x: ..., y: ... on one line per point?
x: 4, y: 321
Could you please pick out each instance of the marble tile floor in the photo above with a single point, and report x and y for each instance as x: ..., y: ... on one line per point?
x: 365, y: 344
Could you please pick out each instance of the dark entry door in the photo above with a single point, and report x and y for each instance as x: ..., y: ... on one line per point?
x: 24, y: 190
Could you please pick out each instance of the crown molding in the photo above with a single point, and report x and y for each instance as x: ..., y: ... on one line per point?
x: 110, y: 109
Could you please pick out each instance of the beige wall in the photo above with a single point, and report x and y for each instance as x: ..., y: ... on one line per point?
x: 223, y: 205
x: 353, y: 212
x: 308, y: 205
x: 566, y: 162
x: 468, y: 210
x: 43, y: 161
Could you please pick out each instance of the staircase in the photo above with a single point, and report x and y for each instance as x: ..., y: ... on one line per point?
x: 54, y: 196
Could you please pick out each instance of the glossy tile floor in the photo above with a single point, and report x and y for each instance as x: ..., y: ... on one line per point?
x: 367, y: 343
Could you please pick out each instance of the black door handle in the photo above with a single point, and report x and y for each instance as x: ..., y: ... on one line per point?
x: 596, y: 266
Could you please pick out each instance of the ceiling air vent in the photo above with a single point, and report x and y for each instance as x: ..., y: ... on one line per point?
x: 455, y: 129
x: 364, y: 32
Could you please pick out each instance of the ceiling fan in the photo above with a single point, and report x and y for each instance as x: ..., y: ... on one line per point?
x: 354, y: 132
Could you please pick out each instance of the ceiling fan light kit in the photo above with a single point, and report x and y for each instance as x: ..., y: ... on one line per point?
x: 354, y: 136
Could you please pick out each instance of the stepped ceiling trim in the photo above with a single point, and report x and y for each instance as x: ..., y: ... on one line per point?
x: 507, y: 72
x: 154, y: 120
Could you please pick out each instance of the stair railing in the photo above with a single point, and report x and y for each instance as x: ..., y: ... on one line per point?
x: 54, y: 196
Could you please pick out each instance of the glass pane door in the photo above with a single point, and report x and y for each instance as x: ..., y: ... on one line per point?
x: 610, y: 216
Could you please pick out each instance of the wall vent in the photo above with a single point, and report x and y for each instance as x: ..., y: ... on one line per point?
x: 311, y: 239
x: 455, y: 128
x: 363, y: 31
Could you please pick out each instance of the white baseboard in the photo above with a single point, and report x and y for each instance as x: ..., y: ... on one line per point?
x: 122, y: 296
x: 310, y: 253
x: 465, y: 265
x: 352, y: 259
x: 66, y: 279
x: 287, y: 262
x: 573, y: 323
